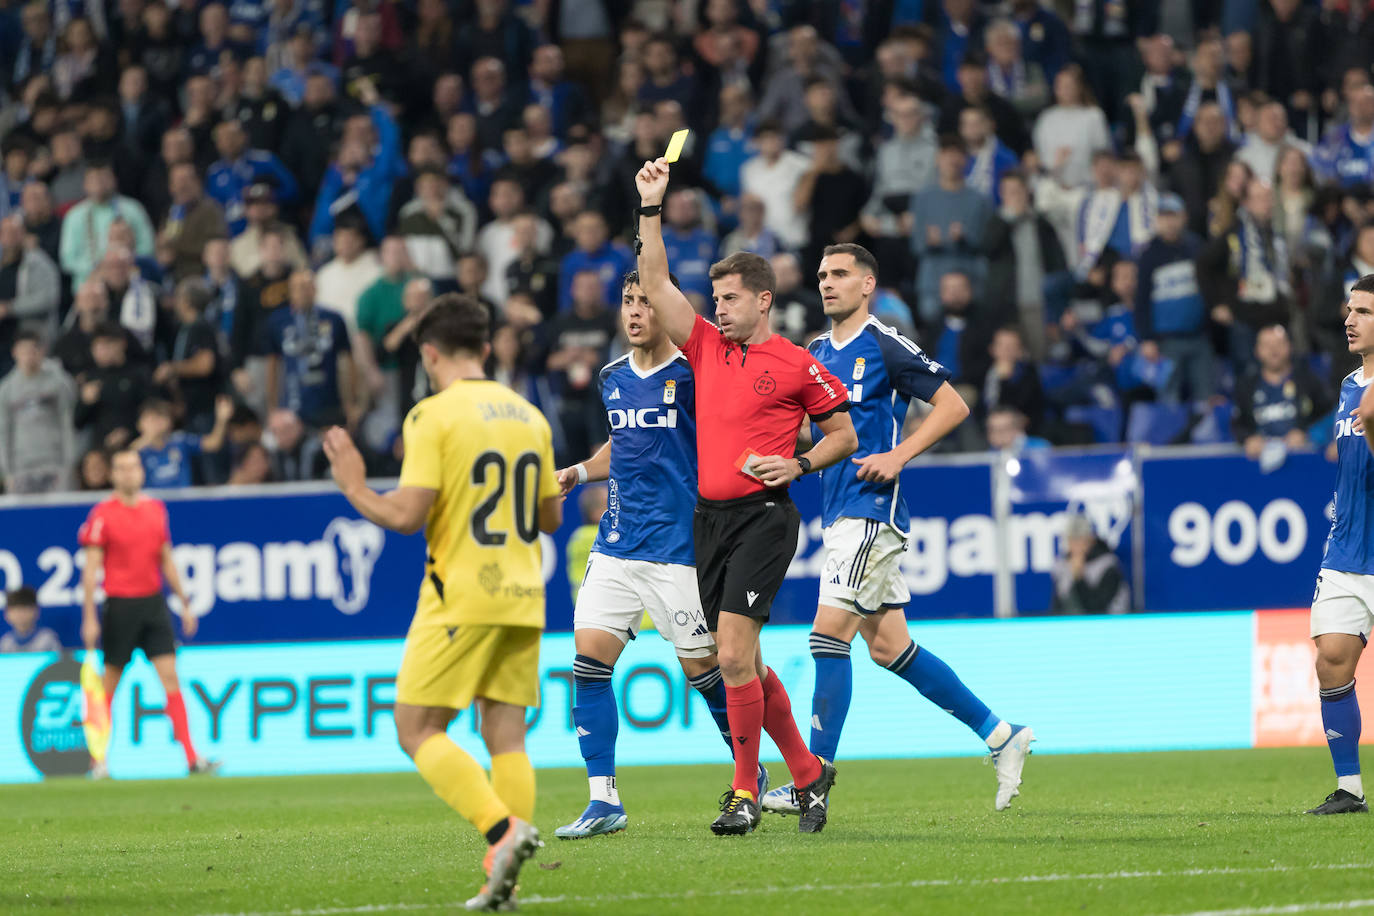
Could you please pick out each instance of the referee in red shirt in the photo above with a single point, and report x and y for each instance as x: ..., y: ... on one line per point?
x: 754, y: 391
x: 129, y: 538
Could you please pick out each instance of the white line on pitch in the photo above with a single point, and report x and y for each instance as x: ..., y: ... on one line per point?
x: 882, y: 885
x: 1288, y: 908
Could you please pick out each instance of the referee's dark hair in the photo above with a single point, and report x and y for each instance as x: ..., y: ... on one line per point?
x: 861, y: 255
x: 454, y: 322
x: 754, y: 272
x: 1364, y: 285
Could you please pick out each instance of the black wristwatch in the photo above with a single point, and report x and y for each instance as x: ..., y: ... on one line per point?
x: 649, y: 211
x: 804, y: 463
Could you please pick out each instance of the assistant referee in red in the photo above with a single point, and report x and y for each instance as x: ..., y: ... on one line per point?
x: 128, y: 537
x: 754, y: 391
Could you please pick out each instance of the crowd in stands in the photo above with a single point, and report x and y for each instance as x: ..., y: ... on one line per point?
x: 1112, y: 220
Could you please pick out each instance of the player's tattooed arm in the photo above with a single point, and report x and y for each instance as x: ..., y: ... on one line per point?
x: 669, y: 304
x: 597, y: 467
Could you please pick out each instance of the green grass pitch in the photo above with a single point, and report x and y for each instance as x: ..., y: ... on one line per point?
x: 1130, y: 833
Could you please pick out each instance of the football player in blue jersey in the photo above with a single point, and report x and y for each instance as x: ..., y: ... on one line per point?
x: 1343, y: 604
x: 644, y: 557
x: 866, y: 524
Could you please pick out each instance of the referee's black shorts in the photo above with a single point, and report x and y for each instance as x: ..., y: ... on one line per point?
x: 136, y: 623
x: 744, y: 547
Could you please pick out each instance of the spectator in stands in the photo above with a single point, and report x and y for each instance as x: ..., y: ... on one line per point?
x: 532, y: 271
x: 370, y: 57
x: 94, y: 471
x: 1244, y: 274
x: 30, y: 286
x: 579, y: 345
x: 1026, y: 265
x: 1012, y: 379
x: 310, y: 369
x: 112, y: 391
x: 949, y: 225
x: 731, y: 144
x: 170, y: 457
x: 1284, y: 39
x: 294, y: 451
x: 495, y: 240
x: 958, y: 338
x: 438, y: 226
x: 14, y: 171
x: 253, y: 467
x: 37, y: 425
x: 831, y: 194
x: 489, y: 102
x: 381, y: 308
x: 988, y: 158
x: 1072, y: 129
x: 86, y: 226
x: 772, y: 176
x: 83, y: 67
x: 195, y: 372
x: 354, y: 267
x: 312, y: 131
x: 1276, y: 399
x: 494, y: 28
x: 264, y: 293
x: 903, y: 165
x: 751, y: 235
x: 37, y: 51
x: 1010, y: 75
x: 596, y: 253
x: 299, y: 63
x: 1196, y: 169
x: 1005, y: 429
x: 691, y: 248
x: 472, y: 278
x: 143, y: 116
x: 399, y: 346
x: 41, y: 220
x: 1346, y: 156
x: 238, y: 168
x: 1088, y: 578
x: 1271, y: 137
x: 132, y: 297
x: 176, y: 147
x: 784, y: 90
x: 25, y: 635
x: 73, y: 349
x: 1170, y: 312
x: 535, y: 175
x: 549, y: 88
x: 192, y: 220
x: 368, y: 163
x: 261, y: 214
x: 797, y: 310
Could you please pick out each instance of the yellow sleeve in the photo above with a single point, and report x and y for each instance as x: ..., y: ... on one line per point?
x: 422, y: 465
x: 548, y: 477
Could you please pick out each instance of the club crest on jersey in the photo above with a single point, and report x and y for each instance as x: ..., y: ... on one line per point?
x: 669, y: 391
x: 858, y: 368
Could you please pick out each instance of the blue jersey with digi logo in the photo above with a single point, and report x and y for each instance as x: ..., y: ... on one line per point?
x: 652, y: 492
x: 1350, y: 545
x: 884, y: 371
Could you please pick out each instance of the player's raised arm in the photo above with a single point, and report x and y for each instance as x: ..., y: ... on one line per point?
x: 667, y: 301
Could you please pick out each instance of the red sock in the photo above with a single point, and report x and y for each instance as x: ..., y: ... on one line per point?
x: 782, y: 728
x: 181, y: 729
x: 744, y: 707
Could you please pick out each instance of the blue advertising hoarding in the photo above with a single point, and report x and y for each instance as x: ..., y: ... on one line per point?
x: 1220, y: 532
x: 326, y: 707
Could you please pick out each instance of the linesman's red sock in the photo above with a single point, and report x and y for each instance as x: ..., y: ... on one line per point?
x: 782, y: 728
x: 744, y: 707
x: 181, y: 729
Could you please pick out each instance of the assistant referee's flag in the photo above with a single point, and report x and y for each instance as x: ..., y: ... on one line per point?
x: 95, y: 719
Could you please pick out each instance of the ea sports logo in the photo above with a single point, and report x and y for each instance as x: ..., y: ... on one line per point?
x: 764, y: 385
x: 50, y: 722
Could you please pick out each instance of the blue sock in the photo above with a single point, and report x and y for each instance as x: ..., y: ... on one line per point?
x: 711, y: 686
x: 595, y: 715
x: 1341, y: 719
x: 834, y: 688
x: 939, y: 684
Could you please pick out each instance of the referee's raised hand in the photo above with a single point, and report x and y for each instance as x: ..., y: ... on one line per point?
x: 652, y: 182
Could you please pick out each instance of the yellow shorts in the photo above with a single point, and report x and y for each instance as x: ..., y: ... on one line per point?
x: 450, y: 666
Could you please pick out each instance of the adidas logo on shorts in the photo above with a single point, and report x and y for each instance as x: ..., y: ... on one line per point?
x: 701, y: 630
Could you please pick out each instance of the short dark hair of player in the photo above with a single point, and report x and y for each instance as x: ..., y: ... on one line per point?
x: 454, y: 323
x: 157, y: 406
x: 632, y: 278
x: 1364, y: 285
x: 754, y: 271
x: 861, y: 255
x: 23, y: 596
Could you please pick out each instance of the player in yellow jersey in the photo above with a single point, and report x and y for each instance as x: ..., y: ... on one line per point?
x: 478, y: 475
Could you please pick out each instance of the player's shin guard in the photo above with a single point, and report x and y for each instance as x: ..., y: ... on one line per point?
x: 834, y: 688
x: 512, y: 778
x: 460, y: 782
x: 938, y: 683
x: 711, y: 686
x: 782, y: 728
x: 597, y: 721
x: 1341, y: 719
x: 745, y: 707
x: 181, y: 727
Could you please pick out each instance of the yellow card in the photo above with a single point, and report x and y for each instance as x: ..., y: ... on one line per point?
x: 675, y: 145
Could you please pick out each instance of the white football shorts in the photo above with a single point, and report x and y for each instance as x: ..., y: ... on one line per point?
x: 863, y: 566
x: 1343, y: 603
x: 617, y: 592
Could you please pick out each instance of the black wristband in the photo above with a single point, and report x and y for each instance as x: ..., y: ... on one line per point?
x: 804, y: 463
x: 655, y: 210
